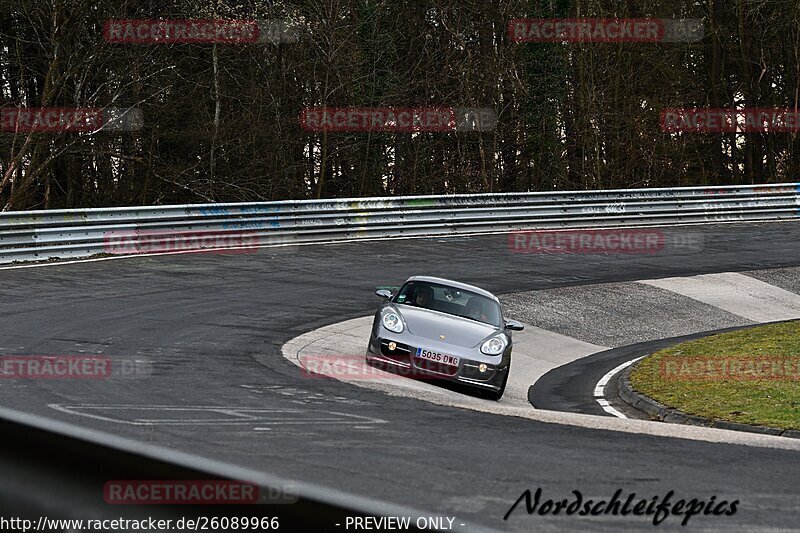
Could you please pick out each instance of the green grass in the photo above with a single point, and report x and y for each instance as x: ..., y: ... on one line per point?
x: 673, y: 378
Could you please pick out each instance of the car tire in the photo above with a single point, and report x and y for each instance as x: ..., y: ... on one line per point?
x: 496, y: 395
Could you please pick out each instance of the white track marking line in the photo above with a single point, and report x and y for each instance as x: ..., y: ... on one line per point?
x: 246, y: 415
x: 600, y: 388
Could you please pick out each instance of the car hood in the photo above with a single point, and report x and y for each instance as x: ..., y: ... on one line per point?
x: 457, y: 331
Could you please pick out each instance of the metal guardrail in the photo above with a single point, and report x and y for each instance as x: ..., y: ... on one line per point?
x: 57, y: 471
x: 71, y: 233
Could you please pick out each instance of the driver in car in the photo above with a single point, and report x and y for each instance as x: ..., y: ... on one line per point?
x: 475, y: 310
x: 423, y: 297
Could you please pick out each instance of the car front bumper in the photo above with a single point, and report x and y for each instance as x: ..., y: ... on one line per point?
x: 404, y: 361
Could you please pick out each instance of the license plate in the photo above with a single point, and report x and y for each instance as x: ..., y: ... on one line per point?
x: 437, y: 357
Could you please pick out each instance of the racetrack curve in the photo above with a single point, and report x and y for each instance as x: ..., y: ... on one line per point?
x: 213, y: 327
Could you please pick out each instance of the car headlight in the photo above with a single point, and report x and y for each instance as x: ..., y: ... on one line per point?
x: 392, y: 322
x: 494, y: 346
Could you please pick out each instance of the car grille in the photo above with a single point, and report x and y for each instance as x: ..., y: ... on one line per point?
x: 433, y: 366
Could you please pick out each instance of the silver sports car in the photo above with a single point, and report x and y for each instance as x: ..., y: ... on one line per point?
x: 442, y: 329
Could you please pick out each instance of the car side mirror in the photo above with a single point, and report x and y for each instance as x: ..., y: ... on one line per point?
x: 513, y: 325
x: 384, y: 293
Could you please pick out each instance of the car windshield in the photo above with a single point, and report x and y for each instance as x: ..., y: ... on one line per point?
x: 450, y: 300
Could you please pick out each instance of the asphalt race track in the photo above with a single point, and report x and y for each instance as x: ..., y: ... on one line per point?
x: 211, y: 329
x: 569, y: 387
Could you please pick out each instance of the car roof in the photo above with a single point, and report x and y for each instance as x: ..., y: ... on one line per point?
x: 455, y: 285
